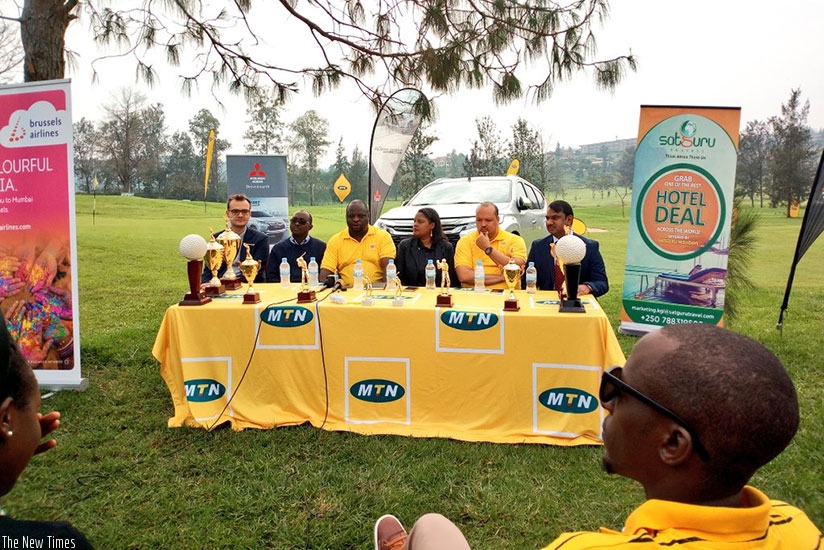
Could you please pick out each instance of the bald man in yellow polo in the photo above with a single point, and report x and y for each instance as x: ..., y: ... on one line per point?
x: 359, y: 241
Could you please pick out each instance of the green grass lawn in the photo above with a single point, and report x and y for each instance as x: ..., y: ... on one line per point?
x: 128, y: 481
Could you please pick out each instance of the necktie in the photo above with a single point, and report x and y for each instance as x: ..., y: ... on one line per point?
x: 559, y: 278
x: 559, y: 274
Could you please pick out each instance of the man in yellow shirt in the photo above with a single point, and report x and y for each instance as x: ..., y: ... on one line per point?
x: 359, y: 241
x: 490, y: 244
x: 694, y: 413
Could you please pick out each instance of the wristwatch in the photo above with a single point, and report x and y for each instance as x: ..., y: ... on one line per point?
x: 488, y: 250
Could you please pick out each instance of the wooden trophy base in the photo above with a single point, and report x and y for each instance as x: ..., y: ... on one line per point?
x: 305, y: 296
x: 251, y: 298
x: 215, y: 290
x: 194, y: 299
x: 231, y: 284
x: 511, y: 305
x: 444, y: 300
x: 571, y: 306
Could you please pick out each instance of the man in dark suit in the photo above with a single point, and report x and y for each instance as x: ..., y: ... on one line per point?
x: 299, y: 243
x: 593, y: 279
x: 238, y: 210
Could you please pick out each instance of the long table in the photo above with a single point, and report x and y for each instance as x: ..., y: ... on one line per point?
x: 471, y: 372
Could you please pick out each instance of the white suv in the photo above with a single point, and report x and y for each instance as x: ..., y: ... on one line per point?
x: 274, y: 227
x: 521, y: 207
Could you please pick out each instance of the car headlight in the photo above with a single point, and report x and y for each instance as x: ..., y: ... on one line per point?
x: 379, y: 223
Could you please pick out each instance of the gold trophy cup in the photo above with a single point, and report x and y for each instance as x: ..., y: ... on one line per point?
x: 231, y: 242
x: 512, y: 274
x: 250, y: 267
x: 445, y: 297
x: 214, y: 259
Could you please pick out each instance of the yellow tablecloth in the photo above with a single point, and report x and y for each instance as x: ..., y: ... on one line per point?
x: 471, y: 372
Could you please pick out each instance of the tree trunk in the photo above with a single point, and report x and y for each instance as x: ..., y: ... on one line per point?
x: 43, y: 25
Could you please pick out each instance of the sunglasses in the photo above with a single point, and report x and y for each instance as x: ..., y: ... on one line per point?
x: 235, y: 212
x: 612, y: 386
x: 299, y: 221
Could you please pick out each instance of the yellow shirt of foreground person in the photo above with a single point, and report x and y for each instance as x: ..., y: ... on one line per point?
x: 667, y: 524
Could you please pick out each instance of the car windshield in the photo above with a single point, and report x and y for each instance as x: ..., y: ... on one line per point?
x: 463, y: 192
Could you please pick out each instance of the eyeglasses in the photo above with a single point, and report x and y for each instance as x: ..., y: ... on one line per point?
x: 236, y: 212
x: 612, y: 386
x: 299, y: 221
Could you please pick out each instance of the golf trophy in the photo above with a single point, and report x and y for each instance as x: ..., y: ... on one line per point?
x: 231, y: 242
x: 367, y: 286
x: 214, y: 259
x: 193, y: 248
x: 306, y: 293
x: 445, y: 297
x: 512, y: 274
x: 569, y: 251
x: 397, y: 301
x: 250, y: 267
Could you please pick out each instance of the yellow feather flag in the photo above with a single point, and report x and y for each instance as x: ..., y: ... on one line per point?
x: 209, y: 148
x: 514, y: 166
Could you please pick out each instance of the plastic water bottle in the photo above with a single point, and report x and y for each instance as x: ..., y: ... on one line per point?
x: 531, y: 278
x: 285, y: 273
x: 313, y: 272
x: 358, y: 276
x: 430, y: 275
x: 391, y: 275
x: 480, y: 276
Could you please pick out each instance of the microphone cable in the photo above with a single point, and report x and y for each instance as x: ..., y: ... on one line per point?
x: 248, y: 363
x: 335, y: 288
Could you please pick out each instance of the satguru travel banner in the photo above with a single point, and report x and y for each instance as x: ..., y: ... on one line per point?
x: 679, y: 232
x: 38, y: 251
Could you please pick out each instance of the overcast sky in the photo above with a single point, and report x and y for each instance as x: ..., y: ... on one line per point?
x: 744, y: 53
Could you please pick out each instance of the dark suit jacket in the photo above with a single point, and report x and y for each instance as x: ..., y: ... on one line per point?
x: 291, y: 251
x: 411, y: 258
x: 258, y: 242
x: 593, y: 271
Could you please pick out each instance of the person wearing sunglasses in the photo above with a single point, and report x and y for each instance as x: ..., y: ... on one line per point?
x: 299, y: 243
x: 694, y: 413
x: 238, y: 211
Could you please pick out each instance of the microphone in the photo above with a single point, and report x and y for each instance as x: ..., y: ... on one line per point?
x: 334, y: 284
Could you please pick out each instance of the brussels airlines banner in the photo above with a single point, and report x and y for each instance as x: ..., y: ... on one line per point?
x: 38, y: 252
x: 679, y: 231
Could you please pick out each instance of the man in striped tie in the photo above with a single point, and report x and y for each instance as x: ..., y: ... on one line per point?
x: 593, y: 279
